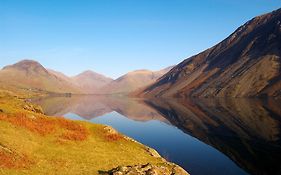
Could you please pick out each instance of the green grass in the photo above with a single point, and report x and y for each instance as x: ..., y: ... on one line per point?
x: 37, y: 144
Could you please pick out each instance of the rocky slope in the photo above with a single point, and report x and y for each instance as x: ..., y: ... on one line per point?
x: 133, y: 81
x: 245, y: 64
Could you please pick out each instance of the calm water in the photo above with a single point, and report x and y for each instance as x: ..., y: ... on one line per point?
x: 210, y: 136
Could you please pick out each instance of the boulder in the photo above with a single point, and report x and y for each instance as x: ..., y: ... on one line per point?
x: 147, y: 169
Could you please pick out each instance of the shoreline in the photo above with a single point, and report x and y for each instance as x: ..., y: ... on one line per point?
x: 54, y: 137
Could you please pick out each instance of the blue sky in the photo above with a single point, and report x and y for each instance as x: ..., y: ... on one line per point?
x: 113, y: 37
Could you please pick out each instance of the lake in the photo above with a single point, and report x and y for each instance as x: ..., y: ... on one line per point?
x: 204, y: 136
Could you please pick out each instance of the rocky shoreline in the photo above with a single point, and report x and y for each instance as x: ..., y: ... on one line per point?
x: 147, y: 169
x: 166, y: 168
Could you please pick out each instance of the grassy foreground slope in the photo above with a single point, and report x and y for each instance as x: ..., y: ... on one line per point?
x: 33, y: 143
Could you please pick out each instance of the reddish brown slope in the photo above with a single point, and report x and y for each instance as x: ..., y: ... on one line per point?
x: 32, y: 75
x: 245, y: 64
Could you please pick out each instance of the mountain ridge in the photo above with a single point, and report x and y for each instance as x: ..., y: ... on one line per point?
x: 30, y: 74
x: 133, y: 80
x: 245, y: 64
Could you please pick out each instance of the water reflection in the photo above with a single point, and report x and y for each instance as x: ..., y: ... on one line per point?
x: 247, y: 131
x: 243, y: 131
x: 89, y: 107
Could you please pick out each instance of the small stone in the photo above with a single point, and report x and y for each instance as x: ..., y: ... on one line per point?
x: 123, y: 169
x: 153, y: 152
x: 31, y: 116
x: 152, y: 171
x: 177, y: 170
x: 110, y: 130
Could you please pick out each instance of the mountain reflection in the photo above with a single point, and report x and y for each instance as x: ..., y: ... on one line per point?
x: 246, y: 130
x: 89, y: 107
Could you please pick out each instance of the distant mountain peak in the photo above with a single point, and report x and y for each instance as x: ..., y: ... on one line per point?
x: 23, y: 64
x: 31, y: 74
x: 88, y: 72
x: 28, y: 66
x: 133, y: 80
x: 90, y: 81
x: 91, y: 75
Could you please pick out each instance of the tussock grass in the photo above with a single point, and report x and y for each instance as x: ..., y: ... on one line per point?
x: 12, y: 160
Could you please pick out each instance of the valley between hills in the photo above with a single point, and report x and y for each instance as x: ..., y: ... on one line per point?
x: 245, y: 64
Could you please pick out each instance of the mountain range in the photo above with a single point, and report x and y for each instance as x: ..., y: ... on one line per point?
x: 31, y: 75
x: 245, y: 64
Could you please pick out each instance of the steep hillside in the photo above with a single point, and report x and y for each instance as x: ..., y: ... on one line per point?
x: 246, y: 64
x: 133, y: 81
x: 32, y: 75
x: 90, y: 82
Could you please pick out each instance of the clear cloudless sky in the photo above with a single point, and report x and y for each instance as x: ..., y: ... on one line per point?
x: 113, y: 37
